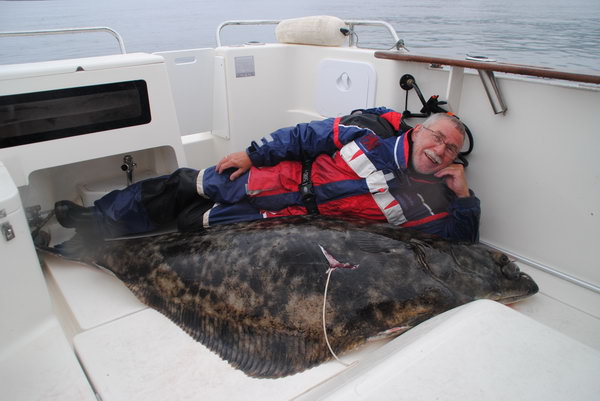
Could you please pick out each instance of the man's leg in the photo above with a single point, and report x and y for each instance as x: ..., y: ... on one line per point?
x: 228, y: 201
x: 141, y: 207
x: 197, y: 217
x: 219, y: 188
x: 194, y: 217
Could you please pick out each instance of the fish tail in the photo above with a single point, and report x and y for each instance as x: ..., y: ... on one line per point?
x: 77, y: 248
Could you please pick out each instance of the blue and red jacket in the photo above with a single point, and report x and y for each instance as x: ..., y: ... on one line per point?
x: 355, y: 172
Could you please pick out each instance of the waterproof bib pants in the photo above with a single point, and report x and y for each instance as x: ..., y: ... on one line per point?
x: 160, y: 202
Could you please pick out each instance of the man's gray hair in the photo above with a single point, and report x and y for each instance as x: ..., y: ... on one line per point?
x: 443, y: 116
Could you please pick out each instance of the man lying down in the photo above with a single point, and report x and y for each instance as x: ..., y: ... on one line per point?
x: 366, y: 165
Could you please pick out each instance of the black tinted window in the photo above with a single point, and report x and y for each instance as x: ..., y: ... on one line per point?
x: 42, y: 116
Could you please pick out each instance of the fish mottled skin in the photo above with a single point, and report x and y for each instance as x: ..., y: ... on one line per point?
x: 253, y: 292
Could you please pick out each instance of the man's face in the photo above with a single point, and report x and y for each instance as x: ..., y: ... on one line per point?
x: 435, y: 147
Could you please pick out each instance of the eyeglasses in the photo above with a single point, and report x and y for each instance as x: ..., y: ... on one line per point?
x: 439, y: 138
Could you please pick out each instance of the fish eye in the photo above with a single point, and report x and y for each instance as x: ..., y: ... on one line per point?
x: 511, y: 271
x: 500, y: 258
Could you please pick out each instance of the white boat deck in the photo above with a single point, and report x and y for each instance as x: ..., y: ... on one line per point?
x: 479, y: 351
x: 564, y: 307
x: 43, y: 367
x: 131, y: 352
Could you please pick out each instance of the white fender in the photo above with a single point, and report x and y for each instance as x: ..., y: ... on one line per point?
x: 321, y: 30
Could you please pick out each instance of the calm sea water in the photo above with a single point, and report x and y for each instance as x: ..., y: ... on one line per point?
x: 563, y: 34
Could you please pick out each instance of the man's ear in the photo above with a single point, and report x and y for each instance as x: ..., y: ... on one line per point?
x: 417, y: 129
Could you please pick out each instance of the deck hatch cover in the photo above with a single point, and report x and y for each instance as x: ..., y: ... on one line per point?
x: 27, y: 118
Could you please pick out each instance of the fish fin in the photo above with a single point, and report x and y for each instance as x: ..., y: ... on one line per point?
x: 421, y: 249
x: 258, y: 351
x: 388, y: 334
x: 371, y: 243
x: 74, y: 249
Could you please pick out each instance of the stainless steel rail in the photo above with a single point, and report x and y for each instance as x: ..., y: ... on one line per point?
x: 351, y: 24
x: 64, y: 31
x: 242, y: 22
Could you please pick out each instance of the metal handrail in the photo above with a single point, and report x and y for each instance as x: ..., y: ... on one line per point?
x: 62, y: 31
x: 398, y: 43
x: 242, y: 22
x: 352, y: 23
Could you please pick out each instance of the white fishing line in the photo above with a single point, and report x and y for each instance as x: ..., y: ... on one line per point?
x: 324, y: 323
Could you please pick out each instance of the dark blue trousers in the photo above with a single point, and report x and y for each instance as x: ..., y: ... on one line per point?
x: 150, y: 204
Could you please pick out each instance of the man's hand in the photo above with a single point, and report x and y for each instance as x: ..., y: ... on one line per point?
x: 239, y: 160
x: 454, y: 177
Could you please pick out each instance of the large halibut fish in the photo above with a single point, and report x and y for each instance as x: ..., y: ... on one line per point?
x: 253, y: 292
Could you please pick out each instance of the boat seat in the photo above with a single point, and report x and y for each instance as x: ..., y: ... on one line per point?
x: 145, y: 357
x: 43, y: 367
x: 480, y: 351
x: 92, y: 296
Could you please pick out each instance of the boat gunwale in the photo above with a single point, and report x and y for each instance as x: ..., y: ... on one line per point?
x: 518, y: 69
